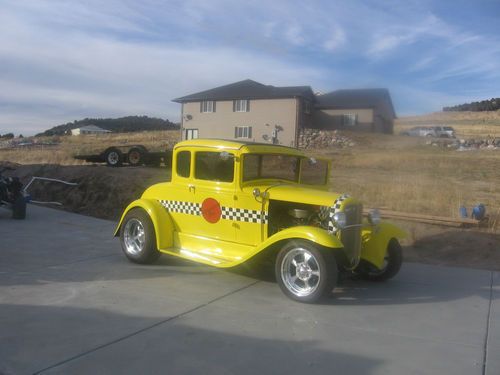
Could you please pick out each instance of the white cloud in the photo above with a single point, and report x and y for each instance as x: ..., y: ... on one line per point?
x: 337, y: 39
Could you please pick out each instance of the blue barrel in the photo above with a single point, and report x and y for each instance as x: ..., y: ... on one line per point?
x: 479, y: 212
x: 463, y: 211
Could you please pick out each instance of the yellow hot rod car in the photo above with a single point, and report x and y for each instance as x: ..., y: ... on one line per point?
x: 229, y: 201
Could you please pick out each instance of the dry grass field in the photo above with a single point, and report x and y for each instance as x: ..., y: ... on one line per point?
x: 466, y: 124
x: 67, y: 146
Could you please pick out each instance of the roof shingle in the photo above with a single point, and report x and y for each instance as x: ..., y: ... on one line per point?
x: 248, y: 89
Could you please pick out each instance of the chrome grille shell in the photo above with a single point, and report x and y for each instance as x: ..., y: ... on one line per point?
x: 351, y: 234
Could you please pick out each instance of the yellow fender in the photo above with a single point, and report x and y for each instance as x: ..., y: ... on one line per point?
x: 375, y: 240
x: 162, y: 222
x: 313, y: 234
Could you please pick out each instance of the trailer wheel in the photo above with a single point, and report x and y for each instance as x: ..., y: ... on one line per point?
x: 136, y: 156
x: 113, y: 157
x: 19, y: 208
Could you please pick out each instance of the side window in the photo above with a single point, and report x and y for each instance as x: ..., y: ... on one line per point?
x: 214, y: 166
x: 183, y: 163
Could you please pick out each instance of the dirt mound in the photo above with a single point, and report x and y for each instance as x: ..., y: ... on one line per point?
x: 101, y: 191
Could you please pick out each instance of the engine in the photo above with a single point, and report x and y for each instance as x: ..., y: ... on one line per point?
x: 284, y: 215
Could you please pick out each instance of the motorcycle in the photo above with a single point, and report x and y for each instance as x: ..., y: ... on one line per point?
x: 12, y: 195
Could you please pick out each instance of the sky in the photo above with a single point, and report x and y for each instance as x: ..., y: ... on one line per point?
x: 62, y: 61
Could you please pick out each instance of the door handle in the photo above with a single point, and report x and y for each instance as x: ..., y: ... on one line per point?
x: 191, y: 187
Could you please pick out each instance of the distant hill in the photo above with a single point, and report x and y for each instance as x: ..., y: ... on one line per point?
x: 485, y: 105
x: 119, y: 125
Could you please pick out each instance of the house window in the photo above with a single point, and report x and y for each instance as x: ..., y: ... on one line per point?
x: 349, y: 119
x: 307, y: 107
x: 207, y: 106
x: 241, y: 105
x: 242, y: 132
x: 190, y: 134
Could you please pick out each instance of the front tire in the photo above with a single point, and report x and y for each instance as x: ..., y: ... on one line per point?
x: 304, y: 272
x: 137, y: 237
x: 392, y: 263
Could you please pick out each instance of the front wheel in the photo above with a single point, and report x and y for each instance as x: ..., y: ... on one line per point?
x: 392, y: 263
x: 304, y: 272
x: 137, y: 237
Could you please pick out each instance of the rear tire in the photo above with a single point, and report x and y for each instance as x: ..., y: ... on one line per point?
x: 304, y: 272
x: 19, y: 208
x: 393, y: 262
x: 138, y: 238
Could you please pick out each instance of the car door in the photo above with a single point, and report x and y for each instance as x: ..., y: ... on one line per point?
x: 213, y: 187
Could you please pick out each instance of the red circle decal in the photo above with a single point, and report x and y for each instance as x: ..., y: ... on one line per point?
x: 211, y: 211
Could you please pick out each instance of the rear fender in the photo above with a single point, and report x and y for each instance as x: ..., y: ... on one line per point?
x: 162, y: 221
x: 375, y: 240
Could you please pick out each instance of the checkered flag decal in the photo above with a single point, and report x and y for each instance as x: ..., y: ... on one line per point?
x: 189, y: 208
x: 333, y: 210
x: 242, y: 214
x: 228, y: 213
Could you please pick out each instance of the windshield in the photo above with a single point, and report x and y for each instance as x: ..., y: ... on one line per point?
x: 284, y: 167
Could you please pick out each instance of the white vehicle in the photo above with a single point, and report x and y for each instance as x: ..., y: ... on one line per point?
x: 444, y: 131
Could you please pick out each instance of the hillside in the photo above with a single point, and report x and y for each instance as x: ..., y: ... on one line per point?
x: 492, y: 104
x: 117, y: 125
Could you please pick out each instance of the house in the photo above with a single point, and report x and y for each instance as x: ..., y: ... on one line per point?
x: 248, y: 110
x: 361, y: 109
x: 89, y: 129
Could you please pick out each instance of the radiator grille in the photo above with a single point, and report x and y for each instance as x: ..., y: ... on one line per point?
x: 351, y: 235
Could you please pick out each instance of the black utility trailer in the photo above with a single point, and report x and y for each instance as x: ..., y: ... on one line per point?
x: 134, y: 155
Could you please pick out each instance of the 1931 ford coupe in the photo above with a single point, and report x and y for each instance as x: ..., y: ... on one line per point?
x: 229, y: 201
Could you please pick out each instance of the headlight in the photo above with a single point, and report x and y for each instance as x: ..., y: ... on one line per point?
x: 374, y: 217
x: 339, y: 220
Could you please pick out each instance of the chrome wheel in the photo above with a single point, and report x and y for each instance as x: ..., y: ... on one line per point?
x: 300, y: 272
x: 134, y: 238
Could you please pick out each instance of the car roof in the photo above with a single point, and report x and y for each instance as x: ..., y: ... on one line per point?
x: 242, y: 146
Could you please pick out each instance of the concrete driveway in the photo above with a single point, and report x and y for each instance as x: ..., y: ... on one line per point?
x: 70, y: 303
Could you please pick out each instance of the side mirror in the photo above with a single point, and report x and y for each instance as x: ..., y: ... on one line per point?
x: 256, y: 192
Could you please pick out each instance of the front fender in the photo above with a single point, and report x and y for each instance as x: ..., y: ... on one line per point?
x: 162, y: 221
x: 375, y: 240
x: 313, y: 234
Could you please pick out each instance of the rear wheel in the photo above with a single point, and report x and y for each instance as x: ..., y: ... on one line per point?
x: 138, y: 239
x: 392, y: 263
x: 304, y: 272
